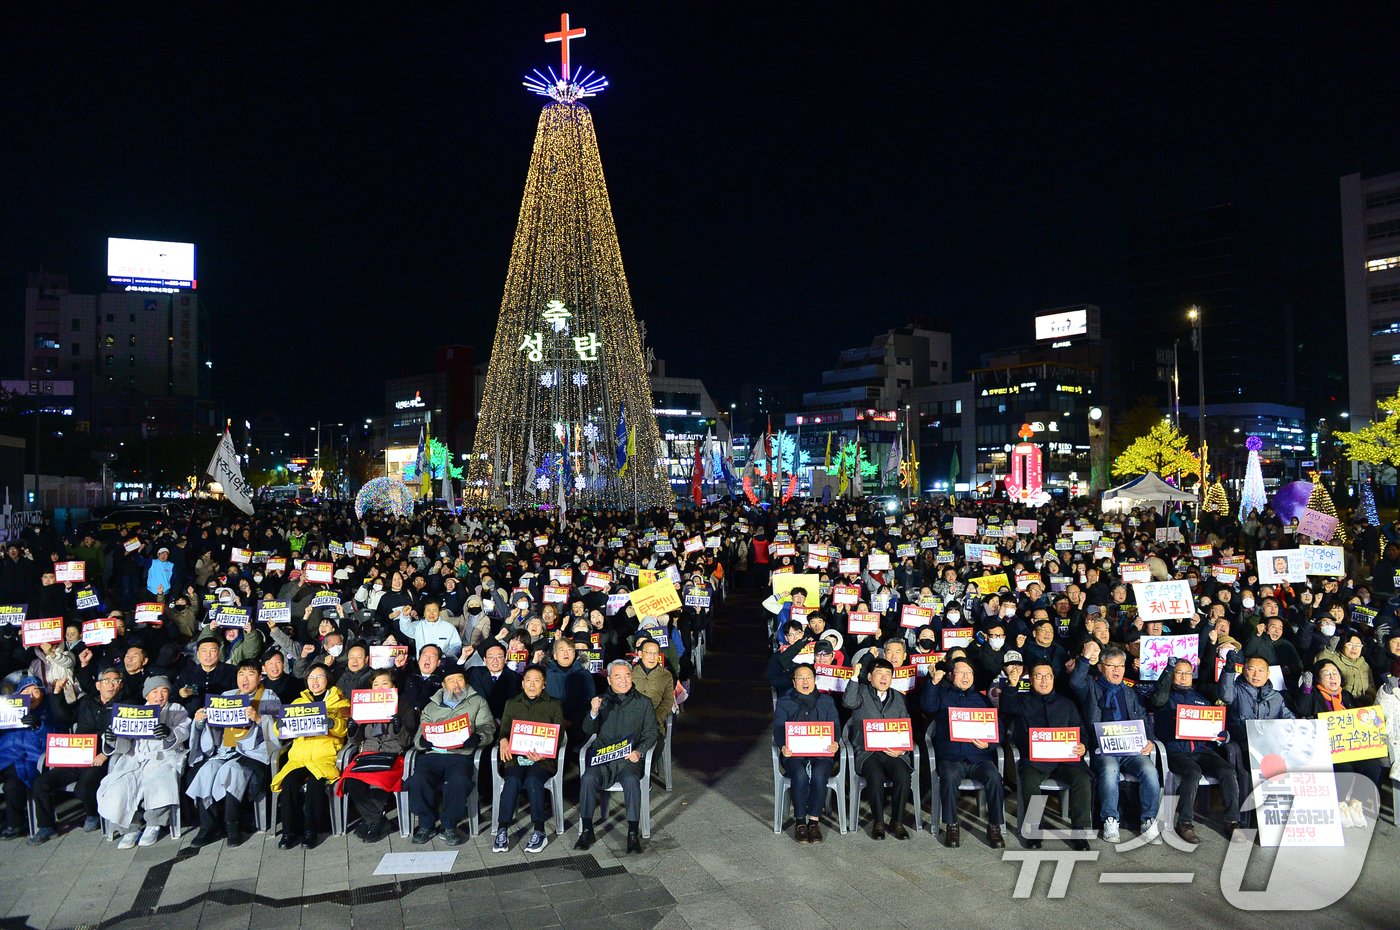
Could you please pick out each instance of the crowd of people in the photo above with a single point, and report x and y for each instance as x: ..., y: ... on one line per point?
x: 312, y: 655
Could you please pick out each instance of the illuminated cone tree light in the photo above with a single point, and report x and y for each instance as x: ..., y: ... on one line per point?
x: 567, y: 356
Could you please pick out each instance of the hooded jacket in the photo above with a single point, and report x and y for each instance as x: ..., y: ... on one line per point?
x: 483, y: 725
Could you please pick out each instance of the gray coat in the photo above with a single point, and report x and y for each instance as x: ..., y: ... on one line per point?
x: 629, y: 717
x: 145, y: 773
x: 1247, y: 702
x: 215, y: 777
x: 861, y: 699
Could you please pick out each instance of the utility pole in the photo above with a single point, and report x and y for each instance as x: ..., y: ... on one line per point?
x: 1198, y: 342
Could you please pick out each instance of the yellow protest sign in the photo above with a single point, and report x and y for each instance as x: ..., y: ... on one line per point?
x: 656, y: 599
x: 646, y: 576
x: 783, y: 584
x: 1358, y: 733
x: 991, y: 584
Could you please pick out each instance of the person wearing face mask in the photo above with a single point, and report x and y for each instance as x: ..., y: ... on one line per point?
x: 959, y: 760
x: 444, y: 772
x: 474, y: 627
x: 986, y: 654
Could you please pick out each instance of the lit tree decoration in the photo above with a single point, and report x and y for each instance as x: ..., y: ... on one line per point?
x: 1368, y: 500
x: 1378, y: 442
x: 1252, y: 498
x: 1163, y: 450
x: 847, y: 455
x: 1321, y: 501
x: 566, y: 310
x: 1216, y: 500
x: 387, y: 494
x: 439, y: 463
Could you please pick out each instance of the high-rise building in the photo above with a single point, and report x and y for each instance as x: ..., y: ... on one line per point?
x: 124, y: 349
x: 1371, y: 271
x: 1200, y: 259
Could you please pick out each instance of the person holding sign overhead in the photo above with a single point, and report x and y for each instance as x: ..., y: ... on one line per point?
x: 623, y: 725
x: 1042, y: 708
x: 529, y: 770
x: 1190, y: 758
x: 961, y: 755
x: 310, y: 766
x: 870, y: 697
x: 455, y: 721
x: 143, y: 776
x: 809, y: 773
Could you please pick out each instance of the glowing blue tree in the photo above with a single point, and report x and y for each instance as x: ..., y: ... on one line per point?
x: 1253, y: 498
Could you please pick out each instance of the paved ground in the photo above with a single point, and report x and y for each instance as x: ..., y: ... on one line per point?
x: 713, y: 862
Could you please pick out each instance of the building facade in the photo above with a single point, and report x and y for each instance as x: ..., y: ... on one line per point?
x: 1371, y: 271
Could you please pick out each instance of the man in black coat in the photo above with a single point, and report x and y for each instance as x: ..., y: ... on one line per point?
x: 90, y: 716
x: 1042, y: 707
x: 623, y: 725
x: 493, y: 680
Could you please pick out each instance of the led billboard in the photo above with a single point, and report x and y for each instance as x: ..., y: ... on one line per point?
x: 148, y: 265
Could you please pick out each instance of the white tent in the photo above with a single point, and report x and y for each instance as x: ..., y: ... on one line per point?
x: 1147, y: 491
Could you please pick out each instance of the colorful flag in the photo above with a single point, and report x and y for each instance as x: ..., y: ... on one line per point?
x: 622, y: 440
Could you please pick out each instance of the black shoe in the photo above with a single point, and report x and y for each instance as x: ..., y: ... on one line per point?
x: 1079, y: 845
x: 452, y: 836
x: 360, y: 830
x: 309, y: 839
x: 288, y: 840
x: 377, y: 832
x: 799, y: 832
x: 585, y: 839
x: 233, y: 836
x: 994, y: 837
x: 422, y: 835
x: 204, y: 837
x: 952, y: 836
x: 1033, y: 844
x: 11, y: 833
x: 898, y: 832
x: 634, y: 842
x: 877, y: 832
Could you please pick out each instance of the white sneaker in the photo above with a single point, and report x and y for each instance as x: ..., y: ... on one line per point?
x: 1345, y: 811
x: 1358, y: 816
x: 149, y: 836
x: 1151, y: 833
x: 128, y: 840
x: 1110, y: 830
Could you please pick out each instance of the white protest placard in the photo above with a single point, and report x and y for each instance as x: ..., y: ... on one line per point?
x: 373, y: 705
x: 70, y: 571
x: 964, y: 526
x: 1277, y: 566
x: 1159, y: 653
x: 1324, y: 560
x: 1164, y: 600
x: 878, y: 561
x: 1316, y: 525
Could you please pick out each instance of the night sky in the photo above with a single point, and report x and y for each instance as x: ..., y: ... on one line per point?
x: 786, y: 179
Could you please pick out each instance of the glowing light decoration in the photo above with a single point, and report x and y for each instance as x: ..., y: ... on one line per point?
x: 564, y: 87
x: 387, y: 494
x: 580, y: 482
x: 542, y: 483
x: 568, y: 347
x: 1252, y: 496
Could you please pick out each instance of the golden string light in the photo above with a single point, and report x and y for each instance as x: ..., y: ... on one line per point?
x: 567, y: 350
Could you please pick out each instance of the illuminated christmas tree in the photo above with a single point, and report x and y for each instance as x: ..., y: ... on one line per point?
x: 1321, y: 501
x: 1216, y: 500
x: 1368, y: 500
x: 567, y: 361
x: 1253, y: 498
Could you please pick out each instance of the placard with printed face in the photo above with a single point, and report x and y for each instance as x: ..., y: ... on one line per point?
x: 973, y: 724
x: 895, y: 733
x: 526, y: 737
x: 373, y: 705
x: 809, y: 737
x: 1054, y: 744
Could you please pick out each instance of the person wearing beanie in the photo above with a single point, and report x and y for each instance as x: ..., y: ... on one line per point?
x: 143, y: 775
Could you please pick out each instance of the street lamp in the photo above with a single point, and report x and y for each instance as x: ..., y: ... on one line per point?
x: 1198, y: 343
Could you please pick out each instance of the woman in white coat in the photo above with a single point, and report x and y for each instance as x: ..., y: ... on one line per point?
x: 143, y: 776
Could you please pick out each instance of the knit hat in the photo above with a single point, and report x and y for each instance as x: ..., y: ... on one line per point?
x: 154, y: 682
x: 28, y: 681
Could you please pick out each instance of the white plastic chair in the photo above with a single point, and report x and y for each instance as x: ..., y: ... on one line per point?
x: 1048, y: 786
x: 857, y: 782
x: 473, y: 801
x: 340, y: 806
x: 555, y: 785
x: 663, y: 748
x: 975, y: 788
x: 782, y: 785
x: 617, y: 786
